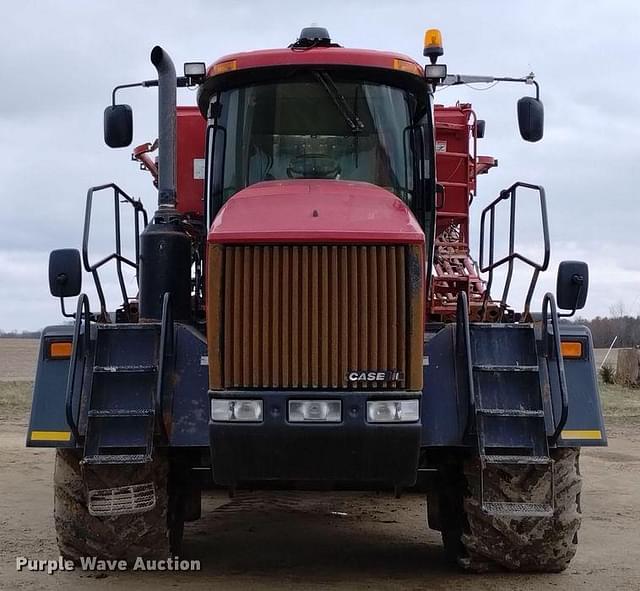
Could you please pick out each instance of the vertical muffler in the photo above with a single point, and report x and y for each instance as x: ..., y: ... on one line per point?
x: 165, y: 248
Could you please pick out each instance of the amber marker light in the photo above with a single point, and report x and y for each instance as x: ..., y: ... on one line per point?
x: 224, y: 67
x: 571, y: 349
x: 60, y: 350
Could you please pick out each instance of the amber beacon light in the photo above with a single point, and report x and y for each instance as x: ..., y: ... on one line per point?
x: 433, y: 45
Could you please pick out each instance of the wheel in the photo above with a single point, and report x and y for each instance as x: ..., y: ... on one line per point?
x: 152, y: 534
x: 479, y: 542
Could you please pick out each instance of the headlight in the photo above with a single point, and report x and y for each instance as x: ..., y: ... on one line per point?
x: 393, y: 411
x: 326, y: 411
x: 247, y: 411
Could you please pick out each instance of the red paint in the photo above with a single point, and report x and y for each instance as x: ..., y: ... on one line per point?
x: 457, y: 166
x: 190, y: 139
x: 317, y: 211
x: 317, y: 56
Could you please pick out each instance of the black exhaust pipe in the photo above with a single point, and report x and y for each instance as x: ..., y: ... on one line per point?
x: 166, y: 127
x: 165, y: 247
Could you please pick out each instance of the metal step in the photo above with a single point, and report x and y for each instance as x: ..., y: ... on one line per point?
x: 506, y: 368
x: 516, y: 459
x: 121, y: 412
x: 127, y: 326
x: 518, y: 509
x: 117, y: 459
x: 509, y: 412
x: 125, y: 369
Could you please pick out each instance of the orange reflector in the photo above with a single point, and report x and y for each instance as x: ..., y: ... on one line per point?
x: 223, y: 67
x: 406, y: 66
x: 571, y: 349
x: 60, y: 350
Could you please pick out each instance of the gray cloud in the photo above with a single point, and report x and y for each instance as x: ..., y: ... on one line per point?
x: 59, y: 61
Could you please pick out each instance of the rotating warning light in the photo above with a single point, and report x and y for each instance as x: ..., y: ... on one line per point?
x: 433, y: 44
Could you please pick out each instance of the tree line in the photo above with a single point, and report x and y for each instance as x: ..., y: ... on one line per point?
x: 23, y: 334
x: 605, y: 330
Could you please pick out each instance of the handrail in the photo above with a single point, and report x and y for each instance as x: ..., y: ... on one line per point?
x: 550, y: 302
x: 82, y: 313
x: 117, y: 255
x: 166, y: 349
x: 463, y: 338
x: 511, y: 194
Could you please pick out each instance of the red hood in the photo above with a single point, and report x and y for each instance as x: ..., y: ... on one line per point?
x: 326, y: 211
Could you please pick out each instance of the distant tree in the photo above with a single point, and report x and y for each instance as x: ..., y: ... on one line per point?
x: 23, y: 334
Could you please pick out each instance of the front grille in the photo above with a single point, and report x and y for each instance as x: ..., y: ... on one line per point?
x: 306, y: 316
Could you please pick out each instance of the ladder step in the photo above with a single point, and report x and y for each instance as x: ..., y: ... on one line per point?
x: 120, y: 412
x: 509, y: 412
x: 117, y: 459
x: 516, y: 459
x: 518, y: 509
x: 506, y: 368
x: 127, y: 326
x: 125, y: 369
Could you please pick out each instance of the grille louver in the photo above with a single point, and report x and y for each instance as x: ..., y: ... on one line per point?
x: 304, y: 316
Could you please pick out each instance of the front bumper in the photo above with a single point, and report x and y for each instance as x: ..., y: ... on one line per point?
x: 352, y: 450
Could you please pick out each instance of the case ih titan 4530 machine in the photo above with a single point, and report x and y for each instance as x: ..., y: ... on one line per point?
x: 308, y: 314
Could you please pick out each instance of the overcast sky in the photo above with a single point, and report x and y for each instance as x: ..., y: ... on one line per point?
x: 59, y: 61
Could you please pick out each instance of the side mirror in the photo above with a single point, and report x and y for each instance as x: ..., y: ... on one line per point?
x: 118, y: 126
x: 65, y: 273
x: 530, y: 118
x: 572, y: 285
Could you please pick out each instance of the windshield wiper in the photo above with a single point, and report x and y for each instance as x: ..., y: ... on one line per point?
x: 349, y: 115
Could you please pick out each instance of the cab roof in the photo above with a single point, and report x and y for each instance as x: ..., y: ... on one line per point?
x: 315, y: 56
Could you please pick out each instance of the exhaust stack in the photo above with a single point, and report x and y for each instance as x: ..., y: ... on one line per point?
x: 166, y: 128
x: 165, y: 248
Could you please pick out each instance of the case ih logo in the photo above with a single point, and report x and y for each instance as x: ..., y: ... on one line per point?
x: 387, y: 375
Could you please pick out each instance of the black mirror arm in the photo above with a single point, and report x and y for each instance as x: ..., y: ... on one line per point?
x: 578, y: 280
x: 527, y: 80
x: 63, y: 310
x: 143, y: 84
x: 181, y: 82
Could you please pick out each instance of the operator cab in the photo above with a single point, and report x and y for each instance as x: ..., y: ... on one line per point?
x: 324, y: 115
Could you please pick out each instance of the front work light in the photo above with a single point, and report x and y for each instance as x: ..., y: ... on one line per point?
x: 393, y: 411
x: 192, y: 69
x: 245, y: 411
x: 433, y: 45
x: 435, y: 72
x: 195, y: 71
x: 321, y: 411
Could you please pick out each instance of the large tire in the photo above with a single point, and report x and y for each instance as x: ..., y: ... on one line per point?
x: 122, y: 537
x: 481, y: 542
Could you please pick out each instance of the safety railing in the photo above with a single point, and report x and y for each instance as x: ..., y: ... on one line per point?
x: 79, y: 349
x: 489, y: 214
x: 551, y: 347
x: 139, y: 219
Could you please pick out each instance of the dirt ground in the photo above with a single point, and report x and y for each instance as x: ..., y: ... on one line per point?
x: 321, y: 541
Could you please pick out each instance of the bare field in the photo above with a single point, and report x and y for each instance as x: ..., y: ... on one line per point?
x: 328, y: 540
x: 18, y: 359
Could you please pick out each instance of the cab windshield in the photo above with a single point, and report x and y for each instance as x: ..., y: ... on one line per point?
x: 313, y: 125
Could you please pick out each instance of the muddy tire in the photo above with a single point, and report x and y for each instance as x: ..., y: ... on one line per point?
x: 481, y: 542
x: 119, y: 537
